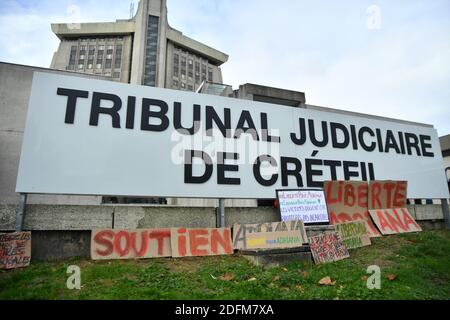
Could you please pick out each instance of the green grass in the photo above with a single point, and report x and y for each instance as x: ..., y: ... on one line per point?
x: 421, y: 262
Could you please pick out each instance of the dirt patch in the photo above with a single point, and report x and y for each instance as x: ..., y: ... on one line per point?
x: 380, y: 251
x: 184, y: 265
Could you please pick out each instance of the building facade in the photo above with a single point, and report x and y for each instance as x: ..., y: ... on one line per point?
x: 143, y: 50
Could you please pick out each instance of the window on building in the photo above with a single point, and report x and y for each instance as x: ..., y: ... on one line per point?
x: 73, y: 54
x: 117, y: 63
x: 116, y: 75
x: 190, y: 88
x: 175, y: 83
x: 203, y: 72
x: 210, y: 74
x: 89, y: 66
x: 98, y: 66
x: 197, y: 67
x: 190, y: 69
x: 151, y: 50
x: 91, y: 50
x: 176, y: 61
x: 108, y: 63
x: 80, y: 66
x: 119, y: 50
x: 183, y: 85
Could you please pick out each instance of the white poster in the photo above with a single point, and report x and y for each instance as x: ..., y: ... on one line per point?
x: 94, y: 137
x: 308, y: 205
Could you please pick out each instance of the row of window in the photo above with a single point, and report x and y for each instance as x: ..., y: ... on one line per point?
x: 187, y: 67
x: 98, y: 58
x: 182, y: 85
x: 111, y: 38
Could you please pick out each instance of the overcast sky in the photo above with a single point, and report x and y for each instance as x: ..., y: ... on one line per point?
x: 388, y: 58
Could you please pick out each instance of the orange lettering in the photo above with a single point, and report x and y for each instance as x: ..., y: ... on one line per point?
x: 224, y: 240
x: 144, y: 243
x: 383, y: 223
x: 197, y: 238
x: 182, y: 242
x: 375, y: 191
x: 400, y: 195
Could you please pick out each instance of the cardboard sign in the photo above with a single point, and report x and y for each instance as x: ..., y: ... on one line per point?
x: 353, y: 234
x: 130, y: 244
x: 348, y: 201
x: 387, y: 194
x: 284, y: 234
x: 308, y: 205
x: 328, y: 247
x: 201, y: 242
x: 15, y: 250
x: 392, y: 221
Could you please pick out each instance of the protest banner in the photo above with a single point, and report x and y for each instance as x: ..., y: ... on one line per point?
x: 392, y: 221
x: 348, y: 201
x: 328, y: 247
x: 130, y: 244
x: 201, y: 242
x: 353, y: 234
x: 387, y: 194
x: 284, y: 234
x: 308, y: 205
x: 15, y: 250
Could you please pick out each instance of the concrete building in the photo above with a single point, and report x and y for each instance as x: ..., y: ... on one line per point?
x: 143, y: 50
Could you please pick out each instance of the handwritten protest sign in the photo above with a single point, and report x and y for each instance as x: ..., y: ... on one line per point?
x: 328, y: 247
x: 15, y: 250
x: 308, y: 205
x: 284, y: 234
x: 201, y: 242
x: 348, y: 201
x: 392, y: 221
x: 387, y: 194
x: 130, y: 244
x: 353, y: 234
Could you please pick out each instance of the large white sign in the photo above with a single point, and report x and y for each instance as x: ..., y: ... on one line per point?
x: 98, y: 137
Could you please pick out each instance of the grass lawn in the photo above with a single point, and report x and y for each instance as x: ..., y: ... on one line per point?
x: 420, y: 262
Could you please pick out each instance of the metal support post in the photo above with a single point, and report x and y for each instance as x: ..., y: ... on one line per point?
x: 20, y: 211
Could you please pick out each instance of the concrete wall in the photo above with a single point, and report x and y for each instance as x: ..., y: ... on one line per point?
x: 82, y: 218
x: 64, y: 231
x: 15, y: 90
